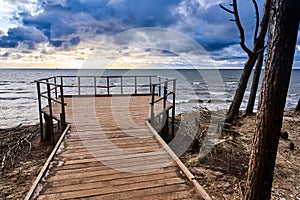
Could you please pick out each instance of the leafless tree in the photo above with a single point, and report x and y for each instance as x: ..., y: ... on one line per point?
x: 253, y: 54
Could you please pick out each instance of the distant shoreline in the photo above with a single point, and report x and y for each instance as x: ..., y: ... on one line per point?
x: 233, y: 68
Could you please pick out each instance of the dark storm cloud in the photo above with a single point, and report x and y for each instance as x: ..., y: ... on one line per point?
x: 65, y: 23
x: 145, y: 13
x: 216, y: 45
x: 28, y: 35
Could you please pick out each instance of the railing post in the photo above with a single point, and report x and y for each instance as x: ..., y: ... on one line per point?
x: 95, y: 85
x: 78, y: 85
x: 63, y: 112
x: 173, y: 109
x: 121, y: 85
x: 159, y: 89
x: 167, y: 126
x: 165, y: 113
x: 55, y: 87
x: 50, y: 113
x: 107, y: 84
x: 40, y: 108
x: 152, y: 105
x: 135, y: 85
x: 150, y: 83
x: 61, y: 80
x: 165, y: 95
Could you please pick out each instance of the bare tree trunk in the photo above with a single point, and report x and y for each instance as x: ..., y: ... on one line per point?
x: 255, y: 82
x: 252, y: 57
x: 240, y: 91
x: 284, y: 23
x: 298, y: 106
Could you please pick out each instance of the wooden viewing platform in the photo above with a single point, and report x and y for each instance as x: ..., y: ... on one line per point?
x: 108, y: 148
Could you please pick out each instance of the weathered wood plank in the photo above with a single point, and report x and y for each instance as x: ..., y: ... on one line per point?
x: 107, y: 176
x: 121, y: 181
x: 112, y: 189
x: 131, y: 163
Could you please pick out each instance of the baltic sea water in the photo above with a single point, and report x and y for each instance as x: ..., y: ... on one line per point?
x: 213, y: 89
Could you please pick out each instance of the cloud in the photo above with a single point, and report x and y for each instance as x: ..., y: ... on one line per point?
x: 62, y: 20
x: 50, y: 26
x: 28, y: 35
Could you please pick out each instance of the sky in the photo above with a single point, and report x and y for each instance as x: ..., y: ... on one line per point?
x: 123, y: 33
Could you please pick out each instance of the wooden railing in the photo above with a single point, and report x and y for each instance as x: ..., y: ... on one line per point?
x: 160, y: 120
x: 46, y: 93
x: 54, y: 89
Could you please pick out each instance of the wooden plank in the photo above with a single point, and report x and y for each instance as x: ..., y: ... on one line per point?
x: 104, y: 156
x: 122, y: 181
x: 76, y: 173
x: 114, y: 189
x: 107, y: 176
x: 139, y: 193
x: 58, y: 171
x: 175, y: 194
x: 162, y: 160
x: 46, y: 165
x: 153, y: 166
x: 189, y: 175
x: 112, y: 137
x: 133, y: 167
x: 84, y: 150
x: 119, y: 144
x: 164, y: 191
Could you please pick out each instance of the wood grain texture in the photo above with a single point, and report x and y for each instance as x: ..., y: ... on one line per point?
x: 110, y: 153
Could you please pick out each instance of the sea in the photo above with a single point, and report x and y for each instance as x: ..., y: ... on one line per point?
x: 212, y: 89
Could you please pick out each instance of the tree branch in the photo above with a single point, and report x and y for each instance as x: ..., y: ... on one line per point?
x: 226, y: 9
x: 240, y: 28
x: 264, y: 23
x: 257, y: 19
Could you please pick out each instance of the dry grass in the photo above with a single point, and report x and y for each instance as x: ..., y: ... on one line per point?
x: 22, y: 156
x: 222, y: 172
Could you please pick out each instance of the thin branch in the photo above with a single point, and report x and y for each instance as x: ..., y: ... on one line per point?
x: 264, y: 22
x: 240, y: 28
x: 226, y: 9
x: 257, y: 19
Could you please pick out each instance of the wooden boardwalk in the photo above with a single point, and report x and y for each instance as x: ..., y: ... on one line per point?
x: 111, y: 152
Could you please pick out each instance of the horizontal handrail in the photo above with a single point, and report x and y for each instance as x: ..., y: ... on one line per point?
x: 98, y: 86
x: 85, y: 76
x: 163, y: 82
x: 52, y: 89
x: 102, y: 82
x: 162, y: 98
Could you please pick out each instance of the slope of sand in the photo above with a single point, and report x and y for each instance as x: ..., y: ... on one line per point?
x: 223, y: 171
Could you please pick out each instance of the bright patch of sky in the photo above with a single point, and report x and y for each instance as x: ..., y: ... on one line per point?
x: 64, y: 33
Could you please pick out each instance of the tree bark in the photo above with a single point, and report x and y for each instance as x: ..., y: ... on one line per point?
x: 284, y: 23
x: 255, y: 82
x: 240, y: 91
x: 258, y: 46
x: 297, y: 109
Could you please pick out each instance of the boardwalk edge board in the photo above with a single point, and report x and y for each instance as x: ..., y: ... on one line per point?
x: 30, y: 194
x: 200, y: 190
